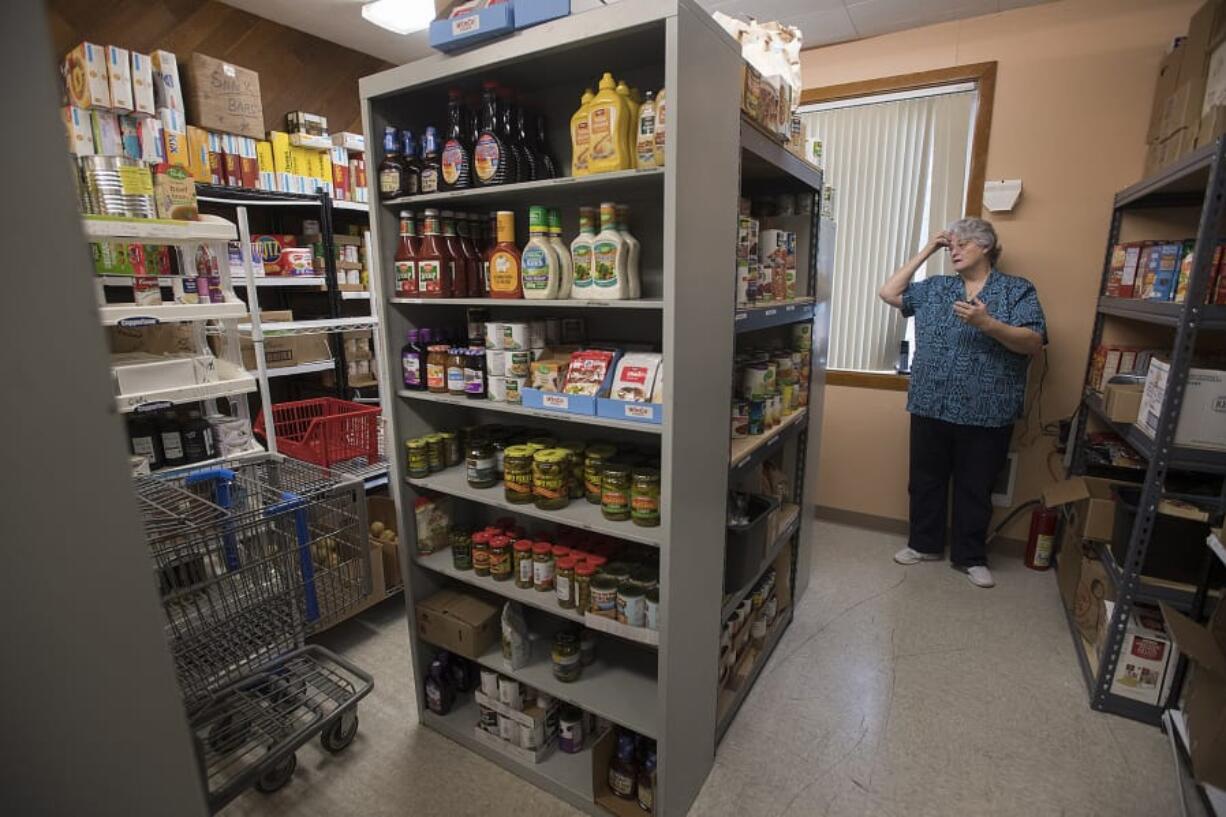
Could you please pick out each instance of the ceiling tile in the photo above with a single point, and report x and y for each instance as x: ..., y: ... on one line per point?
x: 823, y: 27
x: 872, y: 17
x: 771, y: 9
x: 1006, y: 5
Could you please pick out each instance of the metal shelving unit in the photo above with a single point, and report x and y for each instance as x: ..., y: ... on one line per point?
x: 1199, y: 180
x: 684, y: 215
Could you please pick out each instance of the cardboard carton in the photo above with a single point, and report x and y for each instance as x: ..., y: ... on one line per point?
x: 1147, y: 658
x: 224, y: 97
x: 383, y: 509
x: 79, y: 130
x: 1204, y: 696
x: 86, y: 80
x: 1168, y: 81
x: 119, y: 77
x: 1202, y: 418
x: 167, y: 90
x: 459, y: 622
x: 142, y: 84
x: 1122, y: 401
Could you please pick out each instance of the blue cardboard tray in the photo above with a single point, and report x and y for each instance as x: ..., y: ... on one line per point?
x: 534, y: 12
x: 561, y: 403
x: 634, y: 412
x: 463, y: 32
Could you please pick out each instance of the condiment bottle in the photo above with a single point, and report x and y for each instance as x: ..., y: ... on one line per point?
x: 456, y: 162
x: 504, y: 260
x: 436, y: 368
x: 608, y: 116
x: 172, y: 440
x: 609, y: 259
x: 566, y: 278
x: 541, y: 271
x: 549, y: 165
x: 489, y: 154
x: 431, y: 163
x: 197, y: 437
x: 581, y: 254
x: 661, y: 129
x: 433, y: 261
x: 645, y: 134
x: 628, y: 123
x: 456, y: 358
x: 411, y: 163
x: 413, y: 361
x: 516, y: 170
x: 481, y: 550
x: 634, y: 284
x: 523, y: 564
x: 390, y: 169
x: 145, y: 440
x: 464, y: 226
x: 406, y: 257
x: 581, y: 135
x: 457, y: 264
x: 474, y: 373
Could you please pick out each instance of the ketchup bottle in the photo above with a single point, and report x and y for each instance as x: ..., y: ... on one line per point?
x: 476, y: 284
x: 406, y: 258
x: 433, y: 261
x: 458, y: 264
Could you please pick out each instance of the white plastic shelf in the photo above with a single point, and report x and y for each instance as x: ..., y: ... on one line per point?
x: 302, y: 368
x: 251, y: 452
x: 240, y: 280
x: 231, y: 380
x: 640, y: 303
x: 363, y: 295
x: 158, y: 230
x: 135, y: 314
x: 359, y: 206
x: 522, y: 411
x: 315, y: 327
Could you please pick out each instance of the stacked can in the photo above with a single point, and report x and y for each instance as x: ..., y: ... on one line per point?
x: 510, y: 348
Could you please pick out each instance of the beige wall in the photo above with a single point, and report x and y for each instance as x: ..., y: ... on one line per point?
x: 1074, y: 85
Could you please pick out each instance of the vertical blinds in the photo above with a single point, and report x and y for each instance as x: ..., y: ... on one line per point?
x: 899, y: 171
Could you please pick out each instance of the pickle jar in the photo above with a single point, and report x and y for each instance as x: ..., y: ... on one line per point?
x: 500, y: 558
x: 567, y: 660
x: 550, y: 478
x: 480, y: 467
x: 436, y: 452
x: 645, y: 497
x: 564, y: 582
x: 615, y: 491
x: 542, y: 566
x: 617, y: 571
x: 481, y: 553
x: 523, y: 563
x: 517, y: 474
x: 461, y: 550
x: 604, y: 597
x: 576, y: 450
x: 419, y: 458
x: 451, y: 449
x: 584, y: 573
x: 593, y: 464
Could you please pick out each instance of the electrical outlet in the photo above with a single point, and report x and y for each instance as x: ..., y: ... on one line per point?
x: 1006, y: 480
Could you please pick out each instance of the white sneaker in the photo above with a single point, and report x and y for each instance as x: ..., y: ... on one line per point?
x: 980, y: 576
x: 907, y: 556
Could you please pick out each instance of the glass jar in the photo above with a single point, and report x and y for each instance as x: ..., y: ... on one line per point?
x: 457, y: 359
x: 576, y: 449
x: 615, y: 491
x: 645, y: 578
x: 461, y: 550
x: 564, y: 582
x: 523, y: 564
x: 542, y: 566
x: 584, y: 573
x: 481, y: 553
x: 570, y: 729
x: 435, y: 452
x: 593, y: 464
x: 517, y: 474
x: 550, y: 478
x: 597, y: 561
x: 480, y: 467
x: 567, y: 662
x: 617, y: 571
x: 451, y: 449
x: 587, y: 647
x: 436, y: 368
x: 419, y: 458
x: 500, y: 558
x: 544, y: 441
x: 631, y: 604
x: 559, y: 552
x: 645, y: 497
x: 604, y: 597
x: 653, y: 608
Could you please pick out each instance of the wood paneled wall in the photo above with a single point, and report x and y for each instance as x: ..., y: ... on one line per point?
x: 297, y: 71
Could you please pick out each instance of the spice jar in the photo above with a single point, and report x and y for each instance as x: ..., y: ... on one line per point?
x: 542, y: 566
x: 451, y: 449
x: 550, y: 478
x: 559, y: 552
x: 587, y: 647
x: 615, y: 491
x: 480, y: 465
x: 576, y: 449
x: 645, y: 578
x: 653, y: 608
x: 631, y: 603
x: 604, y: 597
x: 461, y: 550
x: 645, y: 497
x: 435, y: 452
x: 564, y: 582
x: 500, y: 558
x: 593, y: 464
x: 567, y: 663
x: 523, y: 564
x: 481, y: 553
x: 517, y: 474
x: 419, y: 458
x: 584, y: 573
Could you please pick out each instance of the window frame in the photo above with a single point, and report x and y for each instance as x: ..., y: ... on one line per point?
x: 983, y: 74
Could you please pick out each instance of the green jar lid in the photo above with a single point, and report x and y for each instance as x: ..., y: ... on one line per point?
x: 617, y: 570
x: 433, y: 438
x: 516, y: 452
x: 551, y: 456
x: 630, y: 588
x: 617, y: 469
x: 573, y: 446
x: 653, y: 595
x: 643, y: 472
x: 447, y: 435
x: 420, y: 442
x: 544, y: 441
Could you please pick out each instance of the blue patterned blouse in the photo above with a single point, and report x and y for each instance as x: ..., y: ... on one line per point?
x: 959, y: 374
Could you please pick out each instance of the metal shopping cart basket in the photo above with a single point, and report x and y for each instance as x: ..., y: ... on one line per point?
x: 251, y: 557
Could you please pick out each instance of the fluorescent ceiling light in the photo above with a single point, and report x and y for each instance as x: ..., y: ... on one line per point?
x: 400, y: 16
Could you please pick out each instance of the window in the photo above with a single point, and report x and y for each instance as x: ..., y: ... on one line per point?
x: 901, y: 164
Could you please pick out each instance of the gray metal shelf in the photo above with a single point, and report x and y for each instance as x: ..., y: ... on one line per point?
x: 1182, y: 181
x: 738, y: 697
x: 772, y: 553
x: 765, y: 316
x: 617, y: 183
x: 1152, y: 591
x: 765, y: 159
x: 1180, y: 458
x: 523, y: 411
x: 1164, y: 313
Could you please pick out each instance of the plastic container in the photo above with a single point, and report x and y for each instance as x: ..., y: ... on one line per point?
x: 324, y: 430
x: 746, y: 544
x: 1177, y: 547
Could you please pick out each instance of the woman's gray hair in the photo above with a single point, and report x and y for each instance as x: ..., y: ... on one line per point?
x: 979, y: 231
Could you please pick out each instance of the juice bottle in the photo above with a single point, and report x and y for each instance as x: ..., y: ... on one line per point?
x: 456, y: 160
x: 389, y: 167
x: 608, y: 116
x: 431, y: 164
x: 406, y: 258
x: 567, y: 278
x: 504, y: 260
x: 457, y: 265
x: 581, y: 254
x: 413, y: 361
x: 581, y: 135
x: 661, y: 129
x: 634, y: 286
x: 541, y: 271
x: 433, y: 261
x: 489, y: 154
x: 410, y: 164
x: 609, y: 258
x: 436, y: 368
x: 472, y: 260
x: 645, y: 134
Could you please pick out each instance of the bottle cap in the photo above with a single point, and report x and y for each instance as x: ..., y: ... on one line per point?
x: 555, y: 218
x: 536, y: 218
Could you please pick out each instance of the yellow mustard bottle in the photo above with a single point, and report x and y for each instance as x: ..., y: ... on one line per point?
x: 629, y: 121
x: 608, y: 115
x: 581, y: 135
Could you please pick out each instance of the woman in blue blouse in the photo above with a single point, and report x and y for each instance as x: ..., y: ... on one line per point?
x: 975, y: 334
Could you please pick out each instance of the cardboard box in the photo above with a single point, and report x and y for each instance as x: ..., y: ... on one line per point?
x: 86, y: 79
x: 108, y: 140
x: 1202, y: 418
x: 1168, y: 81
x: 350, y: 141
x: 1091, y: 505
x: 1212, y: 125
x: 452, y: 34
x: 152, y: 140
x: 1122, y: 401
x: 1204, y: 694
x: 460, y: 622
x: 79, y: 130
x: 142, y: 84
x: 383, y: 509
x: 198, y: 154
x: 167, y: 90
x: 286, y: 350
x: 1068, y: 565
x: 119, y: 77
x: 1147, y: 658
x: 224, y: 97
x: 1094, y: 591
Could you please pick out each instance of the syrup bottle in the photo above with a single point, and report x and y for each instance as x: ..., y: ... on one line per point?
x: 431, y: 165
x: 549, y: 165
x: 531, y: 157
x: 410, y: 164
x: 390, y: 169
x: 490, y: 154
x: 516, y: 164
x: 457, y: 152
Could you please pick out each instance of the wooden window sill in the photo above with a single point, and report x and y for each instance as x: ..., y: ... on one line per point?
x: 868, y: 380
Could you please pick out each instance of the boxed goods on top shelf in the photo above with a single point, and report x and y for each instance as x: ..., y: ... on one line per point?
x: 465, y: 23
x: 1161, y: 271
x: 771, y: 77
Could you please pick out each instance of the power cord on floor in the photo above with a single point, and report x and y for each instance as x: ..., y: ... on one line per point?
x: 1000, y: 526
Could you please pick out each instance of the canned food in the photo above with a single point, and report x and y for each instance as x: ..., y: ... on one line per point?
x: 740, y: 418
x: 757, y: 417
x: 493, y: 334
x: 754, y: 381
x: 495, y: 362
x: 518, y: 363
x: 515, y: 336
x: 515, y: 389
x: 497, y: 386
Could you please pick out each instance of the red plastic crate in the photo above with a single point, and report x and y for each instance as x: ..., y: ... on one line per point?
x: 324, y: 430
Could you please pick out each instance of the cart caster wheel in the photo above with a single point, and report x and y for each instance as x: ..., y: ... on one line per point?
x: 228, y: 734
x: 287, y: 691
x: 280, y: 774
x: 341, y: 732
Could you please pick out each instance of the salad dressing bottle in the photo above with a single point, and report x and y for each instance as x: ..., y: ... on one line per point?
x: 645, y: 134
x: 634, y: 284
x: 581, y: 254
x: 610, y: 255
x: 541, y: 272
x: 566, y: 281
x: 504, y: 260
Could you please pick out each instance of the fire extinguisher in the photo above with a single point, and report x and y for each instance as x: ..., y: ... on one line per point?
x: 1042, y: 538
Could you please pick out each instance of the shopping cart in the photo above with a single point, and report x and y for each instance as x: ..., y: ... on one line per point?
x: 250, y: 557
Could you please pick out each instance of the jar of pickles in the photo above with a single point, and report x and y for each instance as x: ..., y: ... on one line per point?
x: 604, y: 596
x: 567, y: 660
x: 517, y: 474
x: 451, y: 449
x: 564, y: 582
x: 461, y: 550
x: 542, y: 566
x: 584, y: 573
x: 500, y: 558
x: 523, y: 563
x: 645, y: 497
x: 594, y: 458
x: 481, y: 553
x: 615, y: 491
x: 576, y: 449
x: 550, y: 478
x: 435, y: 452
x: 480, y: 466
x: 419, y: 458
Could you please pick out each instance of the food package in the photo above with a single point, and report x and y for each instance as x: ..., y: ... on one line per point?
x: 516, y: 648
x: 636, y: 377
x: 772, y: 81
x: 86, y: 78
x: 79, y: 129
x: 588, y: 371
x: 433, y: 521
x: 142, y: 84
x: 549, y: 374
x: 119, y: 75
x: 174, y: 192
x: 657, y: 391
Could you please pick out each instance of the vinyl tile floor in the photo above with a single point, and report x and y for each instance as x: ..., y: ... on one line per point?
x: 896, y: 692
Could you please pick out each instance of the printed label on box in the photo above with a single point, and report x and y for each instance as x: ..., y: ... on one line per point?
x: 465, y: 25
x: 557, y: 401
x: 638, y: 411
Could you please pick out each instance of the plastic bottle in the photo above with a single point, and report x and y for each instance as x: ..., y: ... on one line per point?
x: 390, y: 169
x: 406, y: 258
x: 645, y: 134
x: 433, y: 261
x: 516, y: 162
x: 197, y: 438
x: 410, y: 165
x: 609, y: 259
x: 172, y: 440
x: 634, y: 284
x: 456, y: 161
x: 464, y: 226
x: 581, y: 135
x: 549, y: 169
x: 608, y: 115
x: 661, y: 126
x: 581, y: 254
x: 628, y: 123
x: 527, y: 141
x: 567, y: 276
x: 145, y: 440
x: 413, y: 361
x: 457, y: 263
x: 541, y: 272
x: 504, y: 260
x: 489, y: 154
